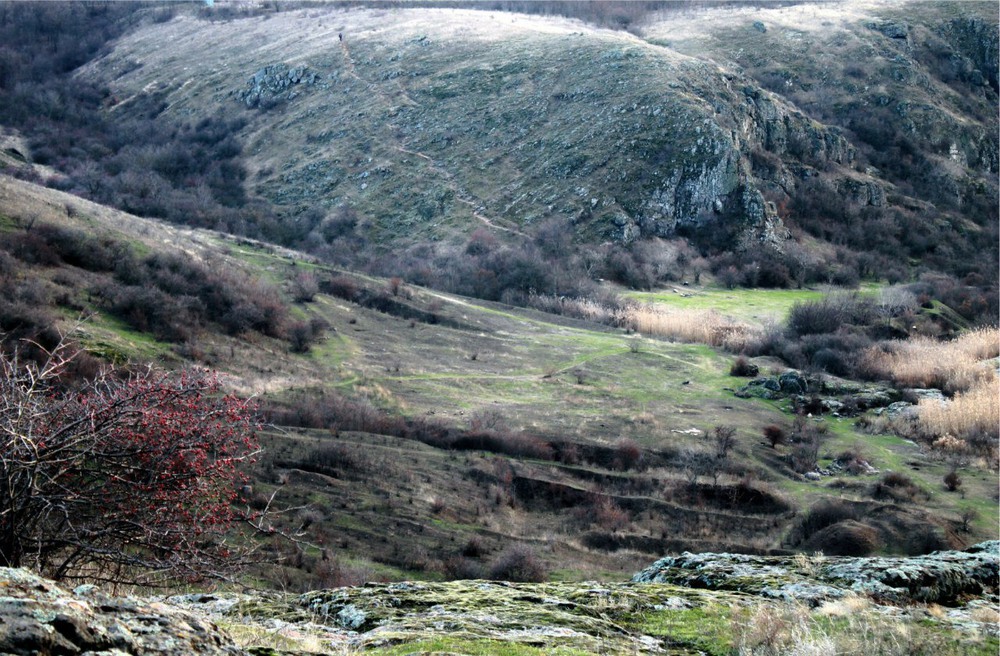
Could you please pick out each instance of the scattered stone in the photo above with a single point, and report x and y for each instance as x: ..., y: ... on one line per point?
x: 892, y: 29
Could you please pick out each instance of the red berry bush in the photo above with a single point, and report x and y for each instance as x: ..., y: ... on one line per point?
x: 124, y: 479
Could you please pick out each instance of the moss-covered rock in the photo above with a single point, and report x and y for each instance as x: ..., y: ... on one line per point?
x: 739, y: 597
x: 944, y: 577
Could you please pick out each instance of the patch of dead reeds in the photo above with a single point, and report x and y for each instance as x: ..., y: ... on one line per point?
x: 970, y: 420
x: 955, y: 366
x: 694, y: 326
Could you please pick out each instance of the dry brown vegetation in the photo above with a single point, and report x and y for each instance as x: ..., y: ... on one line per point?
x: 968, y: 421
x: 687, y: 325
x: 954, y: 366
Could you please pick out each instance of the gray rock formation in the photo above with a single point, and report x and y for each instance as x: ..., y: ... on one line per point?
x: 273, y: 83
x: 941, y: 577
x: 892, y: 29
x: 37, y: 617
x: 688, y: 594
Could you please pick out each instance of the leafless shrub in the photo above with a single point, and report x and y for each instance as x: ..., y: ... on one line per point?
x: 743, y: 367
x: 474, y: 548
x: 897, y: 487
x: 488, y: 419
x: 343, y: 287
x: 628, y: 454
x: 725, y: 439
x: 609, y: 515
x: 952, y: 481
x: 458, y: 568
x: 304, y: 287
x: 518, y: 563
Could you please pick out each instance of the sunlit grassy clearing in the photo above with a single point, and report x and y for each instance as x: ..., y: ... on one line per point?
x: 746, y: 304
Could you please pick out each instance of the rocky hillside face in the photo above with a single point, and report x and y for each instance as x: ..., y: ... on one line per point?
x: 691, y: 604
x: 430, y: 123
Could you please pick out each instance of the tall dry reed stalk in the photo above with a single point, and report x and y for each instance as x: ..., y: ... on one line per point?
x: 954, y: 366
x: 696, y: 326
x: 971, y: 414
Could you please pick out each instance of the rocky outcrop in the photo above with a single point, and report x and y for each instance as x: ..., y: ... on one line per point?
x: 979, y: 43
x: 790, y: 383
x: 37, y: 617
x: 274, y: 83
x: 831, y: 395
x: 944, y: 577
x: 891, y: 29
x: 679, y: 605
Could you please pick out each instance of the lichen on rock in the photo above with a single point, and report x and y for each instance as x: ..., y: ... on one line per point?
x: 39, y: 617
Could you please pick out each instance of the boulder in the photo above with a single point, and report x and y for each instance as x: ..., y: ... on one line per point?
x: 792, y: 382
x: 39, y: 617
x: 892, y: 29
x: 761, y: 388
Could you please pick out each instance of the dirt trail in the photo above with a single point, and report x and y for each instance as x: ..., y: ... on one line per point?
x: 400, y: 146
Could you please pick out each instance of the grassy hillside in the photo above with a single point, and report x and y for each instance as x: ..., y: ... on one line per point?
x: 422, y: 433
x: 386, y: 138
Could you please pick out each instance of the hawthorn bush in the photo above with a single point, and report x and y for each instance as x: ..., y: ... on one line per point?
x: 123, y: 479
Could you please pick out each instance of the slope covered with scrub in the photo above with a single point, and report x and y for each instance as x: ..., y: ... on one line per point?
x: 375, y: 129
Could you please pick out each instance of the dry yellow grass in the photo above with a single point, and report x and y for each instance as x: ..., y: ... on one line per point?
x: 689, y: 325
x: 971, y: 413
x: 954, y: 366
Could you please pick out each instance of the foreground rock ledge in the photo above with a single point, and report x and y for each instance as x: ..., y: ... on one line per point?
x: 685, y: 604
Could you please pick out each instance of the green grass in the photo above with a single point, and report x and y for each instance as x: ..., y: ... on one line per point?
x: 707, y: 630
x: 754, y: 305
x: 8, y: 224
x: 108, y: 337
x: 747, y: 304
x: 473, y: 647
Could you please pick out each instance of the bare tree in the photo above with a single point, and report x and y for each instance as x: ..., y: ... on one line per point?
x: 725, y: 440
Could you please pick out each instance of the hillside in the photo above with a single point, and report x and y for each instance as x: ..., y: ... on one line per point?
x: 503, y: 284
x: 396, y: 130
x: 426, y: 434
